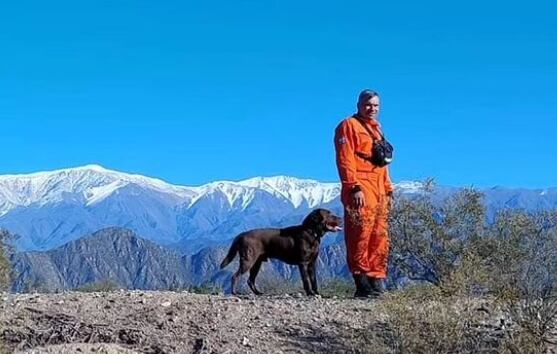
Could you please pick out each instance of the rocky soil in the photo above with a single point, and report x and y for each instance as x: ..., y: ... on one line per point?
x: 181, y: 322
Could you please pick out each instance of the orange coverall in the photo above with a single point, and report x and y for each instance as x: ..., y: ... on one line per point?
x: 366, y: 235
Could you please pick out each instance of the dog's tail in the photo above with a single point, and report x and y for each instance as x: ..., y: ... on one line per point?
x: 231, y: 253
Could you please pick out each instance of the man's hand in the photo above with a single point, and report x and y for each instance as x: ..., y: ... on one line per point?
x: 389, y: 200
x: 358, y: 199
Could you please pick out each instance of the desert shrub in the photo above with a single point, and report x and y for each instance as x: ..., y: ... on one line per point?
x: 430, y: 241
x: 511, y: 261
x: 424, y: 319
x: 534, y: 325
x: 449, y: 244
x: 337, y: 287
x: 207, y: 288
x: 5, y: 268
x: 521, y: 251
x: 99, y: 286
x: 524, y: 277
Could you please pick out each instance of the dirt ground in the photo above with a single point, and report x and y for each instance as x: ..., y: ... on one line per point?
x: 181, y: 322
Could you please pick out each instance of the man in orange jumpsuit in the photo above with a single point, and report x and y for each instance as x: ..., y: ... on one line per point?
x: 366, y: 195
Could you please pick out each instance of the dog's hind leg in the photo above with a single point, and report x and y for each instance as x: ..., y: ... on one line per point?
x: 234, y: 280
x: 253, y: 274
x: 244, y: 267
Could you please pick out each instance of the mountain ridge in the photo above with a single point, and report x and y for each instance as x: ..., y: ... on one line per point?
x: 122, y: 257
x: 49, y: 209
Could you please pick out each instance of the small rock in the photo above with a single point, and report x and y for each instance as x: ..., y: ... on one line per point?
x: 166, y: 304
x: 245, y: 342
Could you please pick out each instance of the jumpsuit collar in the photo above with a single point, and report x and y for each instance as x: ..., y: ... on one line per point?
x: 375, y: 125
x: 373, y: 122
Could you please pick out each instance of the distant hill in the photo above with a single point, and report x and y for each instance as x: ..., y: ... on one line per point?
x: 121, y: 257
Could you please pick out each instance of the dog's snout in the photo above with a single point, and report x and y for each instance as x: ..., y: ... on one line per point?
x: 335, y: 219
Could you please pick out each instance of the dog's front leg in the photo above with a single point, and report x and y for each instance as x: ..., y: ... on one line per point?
x: 313, y: 277
x: 304, y: 273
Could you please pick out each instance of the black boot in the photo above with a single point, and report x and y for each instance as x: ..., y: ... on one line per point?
x: 377, y: 285
x: 363, y: 287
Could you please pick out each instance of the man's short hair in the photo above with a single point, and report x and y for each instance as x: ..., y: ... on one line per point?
x: 366, y: 95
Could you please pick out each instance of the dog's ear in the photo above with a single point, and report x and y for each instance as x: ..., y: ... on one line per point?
x: 315, y: 218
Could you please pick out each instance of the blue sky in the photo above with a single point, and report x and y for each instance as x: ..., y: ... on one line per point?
x: 193, y: 92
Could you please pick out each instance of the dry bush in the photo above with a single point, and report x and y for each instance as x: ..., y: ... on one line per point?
x: 424, y: 320
x: 512, y: 262
x: 5, y: 268
x: 339, y: 287
x: 107, y: 285
x: 534, y: 329
x: 521, y: 251
x: 524, y: 277
x: 430, y: 241
x: 209, y: 288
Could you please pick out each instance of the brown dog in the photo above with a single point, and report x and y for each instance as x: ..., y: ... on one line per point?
x: 294, y: 245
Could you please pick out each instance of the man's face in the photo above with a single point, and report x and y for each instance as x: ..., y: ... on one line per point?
x: 369, y: 108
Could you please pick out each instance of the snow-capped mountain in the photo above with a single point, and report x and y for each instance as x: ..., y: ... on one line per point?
x: 48, y: 209
x: 89, y: 184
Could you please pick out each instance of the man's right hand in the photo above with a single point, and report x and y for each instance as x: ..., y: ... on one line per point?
x: 358, y: 199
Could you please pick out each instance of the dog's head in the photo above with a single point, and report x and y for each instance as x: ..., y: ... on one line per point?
x: 322, y: 220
